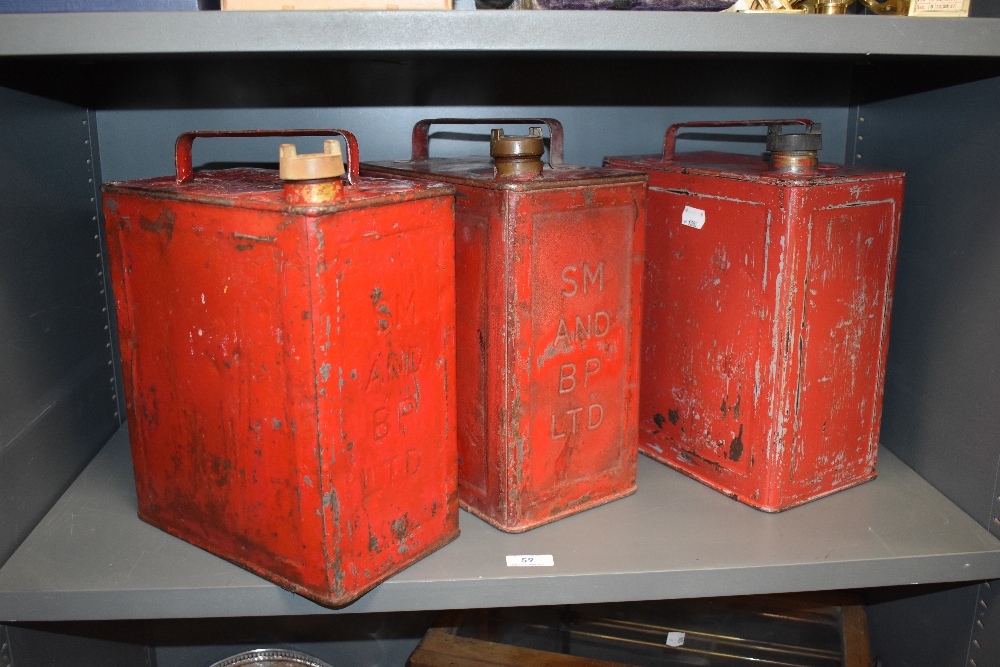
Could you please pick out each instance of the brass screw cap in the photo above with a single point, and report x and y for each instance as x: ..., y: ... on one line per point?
x: 832, y: 6
x: 517, y: 155
x: 310, y: 166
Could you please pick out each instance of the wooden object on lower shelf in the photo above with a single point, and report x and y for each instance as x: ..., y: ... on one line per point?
x: 806, y: 630
x: 440, y: 647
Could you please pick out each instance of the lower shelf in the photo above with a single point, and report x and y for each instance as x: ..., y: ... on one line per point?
x: 91, y: 557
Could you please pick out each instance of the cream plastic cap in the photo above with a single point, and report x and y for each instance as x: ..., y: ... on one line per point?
x: 310, y: 166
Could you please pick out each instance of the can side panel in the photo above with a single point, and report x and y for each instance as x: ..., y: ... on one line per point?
x: 481, y: 333
x: 210, y: 304
x: 118, y: 270
x: 713, y: 329
x: 575, y: 255
x: 494, y: 250
x: 383, y: 283
x: 841, y: 335
x: 479, y: 289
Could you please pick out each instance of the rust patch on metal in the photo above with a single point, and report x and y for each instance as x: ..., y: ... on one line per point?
x: 164, y: 224
x: 249, y: 241
x: 691, y: 454
x: 256, y: 239
x: 736, y: 446
x: 399, y: 527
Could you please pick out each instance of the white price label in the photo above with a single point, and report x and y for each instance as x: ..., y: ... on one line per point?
x: 938, y: 5
x: 675, y: 639
x: 693, y: 217
x: 530, y: 561
x: 939, y: 8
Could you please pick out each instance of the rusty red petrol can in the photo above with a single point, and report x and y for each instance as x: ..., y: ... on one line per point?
x: 548, y: 271
x: 766, y: 316
x: 288, y: 354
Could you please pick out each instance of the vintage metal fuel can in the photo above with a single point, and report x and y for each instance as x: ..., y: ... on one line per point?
x: 766, y: 315
x: 548, y: 271
x: 289, y: 355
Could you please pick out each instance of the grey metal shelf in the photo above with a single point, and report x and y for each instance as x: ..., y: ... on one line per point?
x: 92, y: 558
x: 128, y: 33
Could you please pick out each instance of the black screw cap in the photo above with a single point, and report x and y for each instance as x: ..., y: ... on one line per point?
x: 810, y: 139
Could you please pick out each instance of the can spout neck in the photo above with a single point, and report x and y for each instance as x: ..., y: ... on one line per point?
x: 795, y: 152
x: 517, y: 157
x: 312, y: 178
x: 795, y: 162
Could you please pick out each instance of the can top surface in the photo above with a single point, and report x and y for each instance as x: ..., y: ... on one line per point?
x: 478, y: 172
x: 748, y: 168
x: 262, y: 189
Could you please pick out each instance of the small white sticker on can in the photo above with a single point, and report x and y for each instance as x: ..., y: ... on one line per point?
x: 544, y: 560
x: 693, y: 217
x: 675, y: 639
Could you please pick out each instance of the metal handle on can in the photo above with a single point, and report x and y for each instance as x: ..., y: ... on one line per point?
x: 670, y: 140
x: 421, y: 136
x: 182, y: 149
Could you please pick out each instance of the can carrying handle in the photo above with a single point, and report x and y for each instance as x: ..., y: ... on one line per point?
x: 670, y: 140
x: 182, y: 149
x: 421, y: 134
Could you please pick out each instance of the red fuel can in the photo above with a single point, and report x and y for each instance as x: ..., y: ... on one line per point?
x: 288, y: 353
x: 766, y: 317
x: 548, y: 270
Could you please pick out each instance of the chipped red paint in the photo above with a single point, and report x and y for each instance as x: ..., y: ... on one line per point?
x: 765, y: 331
x: 548, y: 293
x: 289, y: 372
